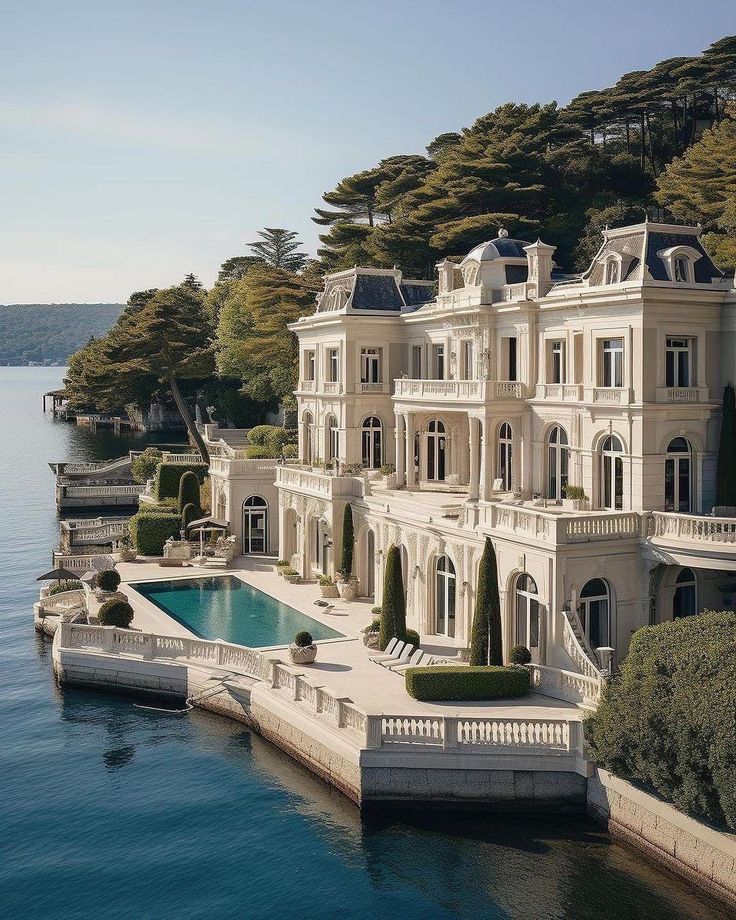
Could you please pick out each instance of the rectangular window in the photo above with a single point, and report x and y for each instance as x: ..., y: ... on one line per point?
x: 468, y: 360
x: 512, y: 364
x: 333, y: 365
x: 439, y: 362
x: 557, y: 362
x: 370, y: 365
x: 309, y: 365
x: 416, y: 362
x: 613, y: 363
x: 679, y: 362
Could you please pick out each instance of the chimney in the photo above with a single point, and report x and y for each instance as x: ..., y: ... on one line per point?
x: 445, y: 270
x: 539, y: 259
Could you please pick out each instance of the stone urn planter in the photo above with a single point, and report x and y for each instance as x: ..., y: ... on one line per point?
x: 347, y: 588
x: 328, y: 590
x: 281, y: 566
x: 127, y: 554
x: 294, y: 578
x: 302, y: 654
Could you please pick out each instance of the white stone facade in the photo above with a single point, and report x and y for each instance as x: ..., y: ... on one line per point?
x: 485, y: 401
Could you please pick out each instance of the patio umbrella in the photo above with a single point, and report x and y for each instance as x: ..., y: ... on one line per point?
x: 58, y: 575
x: 88, y: 577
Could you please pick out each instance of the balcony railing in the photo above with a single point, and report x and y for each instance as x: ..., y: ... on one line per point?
x: 412, y: 388
x: 299, y: 479
x: 682, y: 394
x: 609, y: 396
x: 691, y: 528
x: 240, y: 465
x: 562, y: 392
x: 530, y: 523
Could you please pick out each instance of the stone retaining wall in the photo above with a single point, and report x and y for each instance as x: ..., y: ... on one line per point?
x: 704, y: 856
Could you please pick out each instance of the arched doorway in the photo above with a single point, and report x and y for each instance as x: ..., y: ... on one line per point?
x: 505, y: 456
x: 594, y: 611
x: 678, y: 485
x: 612, y: 473
x: 685, y: 598
x: 321, y: 545
x: 307, y: 437
x: 255, y: 525
x: 558, y: 462
x: 332, y: 438
x: 445, y: 592
x: 436, y: 451
x: 370, y: 564
x: 526, y: 597
x: 372, y: 443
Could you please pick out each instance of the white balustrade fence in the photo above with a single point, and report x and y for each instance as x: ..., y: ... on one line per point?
x: 692, y: 528
x: 566, y: 685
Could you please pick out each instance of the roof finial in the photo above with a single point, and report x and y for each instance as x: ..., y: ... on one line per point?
x: 502, y: 233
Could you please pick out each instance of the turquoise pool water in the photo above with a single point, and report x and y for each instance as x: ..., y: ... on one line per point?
x: 224, y: 607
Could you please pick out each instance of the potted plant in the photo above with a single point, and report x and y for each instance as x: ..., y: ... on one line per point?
x: 372, y: 631
x: 281, y: 565
x: 327, y: 587
x: 388, y: 471
x: 291, y: 575
x: 575, y: 498
x: 303, y: 650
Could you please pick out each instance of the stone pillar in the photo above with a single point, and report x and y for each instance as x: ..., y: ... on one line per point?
x: 400, y: 436
x: 411, y: 479
x: 487, y: 461
x: 474, y: 486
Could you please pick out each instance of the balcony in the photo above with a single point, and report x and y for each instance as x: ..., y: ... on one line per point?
x: 608, y: 396
x: 240, y: 465
x: 559, y: 392
x: 558, y: 527
x: 473, y: 391
x: 682, y: 394
x: 692, y: 539
x: 313, y: 482
x: 371, y: 387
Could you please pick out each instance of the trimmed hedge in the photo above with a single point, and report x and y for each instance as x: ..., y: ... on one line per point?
x: 412, y: 637
x: 188, y: 491
x: 458, y: 682
x: 115, y: 613
x: 257, y: 452
x: 149, y: 532
x: 107, y: 580
x: 189, y: 513
x: 668, y: 722
x: 169, y: 474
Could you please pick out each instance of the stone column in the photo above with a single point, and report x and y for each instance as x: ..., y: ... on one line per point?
x: 400, y: 435
x: 487, y: 461
x: 474, y: 486
x: 411, y: 479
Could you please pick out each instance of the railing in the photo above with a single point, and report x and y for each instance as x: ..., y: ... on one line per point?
x: 371, y: 387
x: 408, y: 387
x: 80, y: 532
x: 305, y: 480
x: 509, y: 389
x: 611, y: 396
x: 306, y: 386
x: 463, y: 733
x: 241, y: 465
x: 331, y: 387
x: 602, y: 527
x: 682, y: 394
x: 101, y: 466
x: 555, y: 528
x: 78, y: 562
x: 526, y: 522
x: 524, y: 290
x: 577, y: 647
x: 97, y: 491
x: 63, y: 603
x: 566, y: 685
x: 691, y: 528
x: 172, y: 457
x: 562, y: 392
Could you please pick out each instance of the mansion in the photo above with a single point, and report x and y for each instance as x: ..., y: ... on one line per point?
x: 448, y: 413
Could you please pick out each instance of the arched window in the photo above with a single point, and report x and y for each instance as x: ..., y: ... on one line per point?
x: 527, y: 612
x: 678, y: 484
x: 445, y: 599
x: 436, y: 451
x: 612, y: 271
x: 307, y: 436
x: 612, y: 473
x: 505, y: 457
x: 372, y: 443
x: 333, y: 438
x: 684, y: 602
x: 681, y: 268
x: 594, y: 612
x: 558, y: 461
x: 255, y: 525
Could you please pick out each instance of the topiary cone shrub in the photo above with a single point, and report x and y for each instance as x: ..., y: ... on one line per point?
x: 348, y: 541
x: 520, y: 654
x: 726, y: 469
x: 115, y: 613
x: 188, y: 491
x: 486, y: 646
x: 393, y: 609
x: 667, y: 721
x: 107, y: 580
x: 189, y: 513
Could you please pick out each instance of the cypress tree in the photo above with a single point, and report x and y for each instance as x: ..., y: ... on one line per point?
x: 188, y: 490
x: 726, y: 470
x: 188, y: 514
x: 348, y: 539
x: 485, y: 641
x: 393, y: 608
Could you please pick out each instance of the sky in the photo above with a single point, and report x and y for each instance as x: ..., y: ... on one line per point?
x: 143, y: 140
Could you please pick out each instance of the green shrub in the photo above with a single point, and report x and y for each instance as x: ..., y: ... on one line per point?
x: 269, y: 437
x: 374, y: 626
x: 291, y: 451
x: 459, y: 682
x: 283, y: 563
x: 145, y: 464
x: 169, y: 474
x: 149, y: 532
x: 326, y: 581
x: 486, y: 646
x: 520, y: 654
x: 387, y: 469
x: 256, y: 452
x: 376, y: 611
x: 575, y: 492
x: 107, y: 580
x: 115, y: 613
x: 189, y: 513
x: 71, y: 585
x: 167, y: 506
x: 348, y: 541
x: 303, y: 639
x: 667, y: 721
x: 188, y: 491
x: 289, y: 571
x: 412, y: 637
x: 393, y: 609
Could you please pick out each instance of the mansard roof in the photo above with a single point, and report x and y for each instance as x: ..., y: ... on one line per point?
x: 502, y: 247
x: 374, y: 290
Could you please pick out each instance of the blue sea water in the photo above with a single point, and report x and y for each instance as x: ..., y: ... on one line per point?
x: 114, y: 813
x: 224, y: 607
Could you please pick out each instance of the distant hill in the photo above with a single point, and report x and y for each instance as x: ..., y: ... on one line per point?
x: 47, y: 333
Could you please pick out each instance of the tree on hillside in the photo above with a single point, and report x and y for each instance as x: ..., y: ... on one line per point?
x: 192, y: 281
x: 700, y: 186
x: 236, y: 268
x: 253, y: 342
x: 279, y: 249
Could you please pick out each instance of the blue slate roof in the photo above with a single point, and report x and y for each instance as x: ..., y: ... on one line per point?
x: 416, y: 294
x: 705, y: 270
x: 376, y: 292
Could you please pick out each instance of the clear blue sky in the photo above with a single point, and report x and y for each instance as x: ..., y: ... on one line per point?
x: 144, y: 139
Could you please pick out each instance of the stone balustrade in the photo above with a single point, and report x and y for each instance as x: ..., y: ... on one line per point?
x: 566, y: 685
x: 608, y: 396
x: 240, y: 465
x: 577, y: 648
x: 559, y: 392
x: 303, y: 479
x: 113, y: 491
x: 682, y: 394
x: 430, y: 390
x: 555, y: 528
x: 691, y: 528
x: 79, y: 563
x: 187, y: 457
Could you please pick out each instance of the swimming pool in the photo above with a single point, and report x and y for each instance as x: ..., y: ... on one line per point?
x: 224, y: 607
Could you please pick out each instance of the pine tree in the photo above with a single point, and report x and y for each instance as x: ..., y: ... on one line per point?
x: 726, y: 469
x: 192, y: 282
x: 278, y: 248
x: 348, y: 541
x: 393, y: 608
x: 486, y: 645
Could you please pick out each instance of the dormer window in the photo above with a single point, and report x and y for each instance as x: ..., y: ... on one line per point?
x: 681, y: 269
x: 470, y: 274
x: 613, y: 266
x: 680, y: 263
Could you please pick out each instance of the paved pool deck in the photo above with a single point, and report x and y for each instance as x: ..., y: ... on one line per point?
x: 343, y: 666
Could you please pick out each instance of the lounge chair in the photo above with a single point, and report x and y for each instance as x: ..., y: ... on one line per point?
x: 413, y: 662
x: 403, y: 658
x: 392, y: 653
